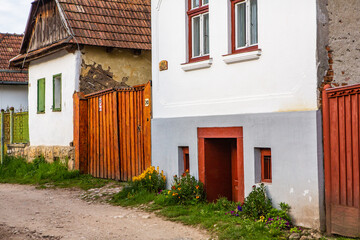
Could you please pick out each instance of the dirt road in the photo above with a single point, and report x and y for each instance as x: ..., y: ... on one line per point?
x: 29, y: 213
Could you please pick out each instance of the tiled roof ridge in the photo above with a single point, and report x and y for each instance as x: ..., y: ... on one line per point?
x: 116, y: 1
x: 12, y: 34
x: 103, y: 15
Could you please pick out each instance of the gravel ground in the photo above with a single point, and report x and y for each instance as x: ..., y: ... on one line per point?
x: 30, y: 213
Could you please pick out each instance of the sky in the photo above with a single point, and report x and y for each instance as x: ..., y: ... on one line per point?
x: 13, y: 15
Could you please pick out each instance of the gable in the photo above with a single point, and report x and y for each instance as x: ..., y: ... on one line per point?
x: 45, y: 28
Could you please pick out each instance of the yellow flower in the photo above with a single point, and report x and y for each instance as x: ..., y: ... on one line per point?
x: 179, y: 189
x: 149, y: 177
x: 169, y: 192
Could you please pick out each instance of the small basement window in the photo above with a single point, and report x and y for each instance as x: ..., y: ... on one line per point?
x: 184, y: 160
x: 57, y: 93
x: 266, y: 171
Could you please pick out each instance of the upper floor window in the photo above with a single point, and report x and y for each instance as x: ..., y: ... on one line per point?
x: 57, y: 93
x: 199, y: 46
x: 244, y: 25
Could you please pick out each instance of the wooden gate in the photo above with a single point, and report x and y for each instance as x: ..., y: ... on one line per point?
x: 112, y: 132
x: 341, y: 118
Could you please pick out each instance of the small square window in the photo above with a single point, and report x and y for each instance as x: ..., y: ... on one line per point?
x: 266, y: 169
x: 184, y: 160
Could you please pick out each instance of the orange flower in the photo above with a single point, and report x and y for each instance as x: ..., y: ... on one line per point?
x: 197, y: 197
x: 197, y: 187
x: 173, y: 187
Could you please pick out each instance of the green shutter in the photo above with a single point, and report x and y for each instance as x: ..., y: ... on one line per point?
x: 41, y: 95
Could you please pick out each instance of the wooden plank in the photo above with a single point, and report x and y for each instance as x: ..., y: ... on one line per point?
x: 127, y: 128
x: 111, y: 136
x: 334, y: 151
x: 342, y: 142
x: 91, y: 136
x: 147, y: 124
x: 116, y: 136
x: 345, y: 220
x: 96, y: 137
x: 123, y: 135
x: 138, y: 132
x: 102, y: 137
x: 141, y: 122
x: 355, y: 146
x: 131, y: 120
x: 349, y: 164
x: 105, y: 136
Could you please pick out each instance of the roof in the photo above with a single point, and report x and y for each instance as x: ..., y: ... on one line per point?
x: 9, y: 48
x: 110, y: 23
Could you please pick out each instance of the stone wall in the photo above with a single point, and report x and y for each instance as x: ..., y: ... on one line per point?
x: 343, y: 42
x: 50, y: 153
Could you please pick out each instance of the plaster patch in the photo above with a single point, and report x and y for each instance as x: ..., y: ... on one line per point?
x: 306, y: 192
x: 291, y: 190
x: 310, y: 198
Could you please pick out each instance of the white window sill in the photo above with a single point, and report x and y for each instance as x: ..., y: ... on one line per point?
x: 197, y: 65
x: 241, y: 57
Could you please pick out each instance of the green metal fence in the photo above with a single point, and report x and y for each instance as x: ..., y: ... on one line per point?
x: 16, y: 129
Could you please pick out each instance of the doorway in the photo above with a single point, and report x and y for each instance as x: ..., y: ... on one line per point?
x: 221, y: 162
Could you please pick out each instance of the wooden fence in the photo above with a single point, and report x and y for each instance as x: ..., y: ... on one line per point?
x: 341, y: 124
x: 112, y: 132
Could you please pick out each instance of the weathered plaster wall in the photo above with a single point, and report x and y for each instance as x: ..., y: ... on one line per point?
x: 104, y: 68
x: 344, y: 42
x: 53, y: 128
x: 14, y: 96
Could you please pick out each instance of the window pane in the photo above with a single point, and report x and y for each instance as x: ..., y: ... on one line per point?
x: 195, y: 3
x: 267, y: 167
x: 205, y: 2
x: 254, y: 24
x: 57, y: 93
x: 41, y: 95
x: 196, y: 36
x: 240, y: 25
x: 206, y: 33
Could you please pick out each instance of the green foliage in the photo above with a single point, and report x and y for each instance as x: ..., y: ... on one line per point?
x: 150, y: 180
x: 131, y: 196
x: 185, y: 190
x: 257, y: 203
x: 17, y: 170
x: 295, y: 230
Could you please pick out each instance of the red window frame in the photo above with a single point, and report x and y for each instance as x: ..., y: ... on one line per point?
x: 266, y: 174
x: 186, y: 159
x: 192, y: 12
x: 233, y: 31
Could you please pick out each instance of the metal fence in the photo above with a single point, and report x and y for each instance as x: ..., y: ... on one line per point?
x: 14, y: 128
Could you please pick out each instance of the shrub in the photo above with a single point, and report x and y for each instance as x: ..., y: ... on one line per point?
x: 186, y: 190
x: 150, y: 180
x: 282, y: 213
x: 257, y: 203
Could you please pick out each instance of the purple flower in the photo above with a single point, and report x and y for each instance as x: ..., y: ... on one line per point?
x: 239, y: 208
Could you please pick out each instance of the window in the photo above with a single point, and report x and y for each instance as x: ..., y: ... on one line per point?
x: 184, y: 160
x: 57, y: 92
x: 244, y: 24
x: 266, y: 175
x: 41, y: 95
x: 199, y: 45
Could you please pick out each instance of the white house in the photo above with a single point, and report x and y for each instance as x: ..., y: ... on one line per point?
x: 13, y: 80
x: 85, y: 46
x: 238, y: 102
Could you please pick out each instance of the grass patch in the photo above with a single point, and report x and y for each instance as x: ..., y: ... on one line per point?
x: 43, y: 174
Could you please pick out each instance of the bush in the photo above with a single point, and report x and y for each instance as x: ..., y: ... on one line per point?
x: 257, y: 203
x: 186, y: 190
x: 150, y: 180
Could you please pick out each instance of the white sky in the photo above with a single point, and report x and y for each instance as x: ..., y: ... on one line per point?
x: 13, y: 15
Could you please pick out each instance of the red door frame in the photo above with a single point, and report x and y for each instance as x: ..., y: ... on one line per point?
x: 223, y: 132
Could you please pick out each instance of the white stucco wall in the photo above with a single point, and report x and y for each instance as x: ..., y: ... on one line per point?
x: 53, y: 128
x: 14, y: 96
x: 283, y: 79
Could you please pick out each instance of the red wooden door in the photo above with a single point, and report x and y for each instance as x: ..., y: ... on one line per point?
x: 341, y: 110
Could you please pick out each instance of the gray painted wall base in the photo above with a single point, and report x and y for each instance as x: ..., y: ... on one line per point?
x: 295, y: 139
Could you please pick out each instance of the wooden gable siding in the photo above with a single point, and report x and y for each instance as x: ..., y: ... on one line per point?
x: 48, y: 27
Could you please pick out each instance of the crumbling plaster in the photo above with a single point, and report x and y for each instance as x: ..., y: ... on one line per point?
x: 344, y: 41
x: 104, y: 68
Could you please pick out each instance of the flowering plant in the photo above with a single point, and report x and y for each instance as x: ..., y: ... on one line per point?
x: 186, y: 190
x: 151, y: 179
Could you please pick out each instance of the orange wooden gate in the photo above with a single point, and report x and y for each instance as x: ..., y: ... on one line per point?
x: 112, y: 132
x: 341, y: 124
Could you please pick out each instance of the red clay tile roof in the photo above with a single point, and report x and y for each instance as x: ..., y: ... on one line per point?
x: 110, y: 23
x: 9, y: 48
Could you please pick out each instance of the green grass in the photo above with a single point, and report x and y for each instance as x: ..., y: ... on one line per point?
x: 43, y: 174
